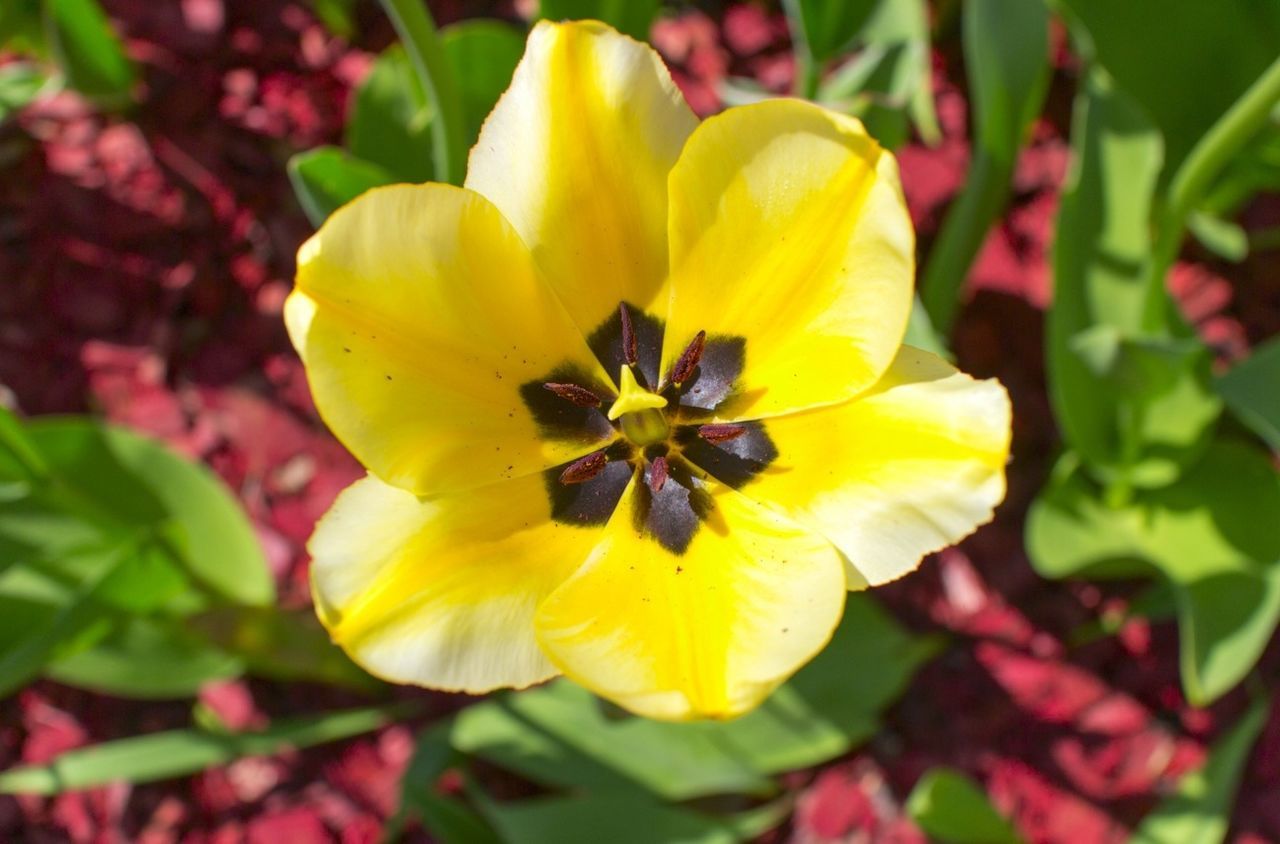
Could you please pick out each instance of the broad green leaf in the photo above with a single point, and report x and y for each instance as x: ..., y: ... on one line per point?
x: 1103, y: 244
x: 633, y: 17
x: 390, y: 124
x: 1211, y: 535
x: 326, y: 178
x: 19, y: 457
x: 1186, y: 71
x: 1200, y: 811
x: 281, y: 644
x: 42, y: 616
x: 906, y: 22
x: 484, y: 55
x: 22, y: 27
x: 616, y: 818
x: 1252, y: 390
x: 338, y: 16
x: 1006, y: 49
x: 182, y: 507
x: 559, y: 735
x: 825, y: 28
x: 20, y: 83
x: 88, y: 51
x: 177, y: 753
x: 951, y: 808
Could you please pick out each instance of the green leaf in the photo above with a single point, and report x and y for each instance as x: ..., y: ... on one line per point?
x: 632, y: 17
x: 616, y: 818
x: 1006, y: 49
x: 921, y: 334
x: 88, y: 51
x: 19, y: 457
x: 1211, y: 535
x: 390, y: 124
x: 177, y: 753
x: 951, y: 808
x: 484, y: 55
x: 144, y: 659
x: 559, y: 735
x: 825, y: 28
x: 176, y: 505
x: 22, y: 27
x: 1188, y: 70
x: 326, y: 178
x: 282, y: 645
x: 1252, y: 390
x: 1200, y: 811
x: 20, y: 83
x: 1223, y: 238
x: 338, y: 16
x: 1103, y: 244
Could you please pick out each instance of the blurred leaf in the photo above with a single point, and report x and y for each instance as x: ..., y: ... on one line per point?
x: 177, y: 753
x: 20, y: 83
x: 338, y: 16
x: 390, y: 124
x: 1200, y: 811
x: 559, y: 734
x: 326, y: 178
x: 42, y: 617
x: 180, y: 506
x: 616, y: 818
x: 1187, y: 71
x: 1221, y: 237
x: 282, y: 645
x: 88, y: 51
x: 146, y: 658
x: 21, y: 27
x: 1136, y: 366
x: 1103, y: 244
x: 1252, y: 390
x: 951, y: 808
x: 825, y: 28
x: 921, y: 334
x: 1006, y: 49
x: 633, y: 17
x: 906, y: 22
x: 1211, y: 535
x: 19, y: 457
x: 484, y: 55
x: 446, y: 817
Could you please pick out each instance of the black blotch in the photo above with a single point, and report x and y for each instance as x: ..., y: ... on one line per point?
x: 672, y: 516
x: 560, y: 419
x: 716, y: 374
x: 592, y: 502
x: 606, y: 343
x: 733, y: 462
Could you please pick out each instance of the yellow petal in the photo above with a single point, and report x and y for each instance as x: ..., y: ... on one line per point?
x: 788, y: 230
x: 426, y: 334
x: 442, y: 593
x: 576, y: 154
x: 911, y: 467
x: 704, y: 633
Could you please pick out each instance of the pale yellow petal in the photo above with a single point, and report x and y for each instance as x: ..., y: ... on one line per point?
x: 442, y: 593
x: 915, y: 465
x: 426, y: 334
x: 789, y: 236
x: 576, y: 154
x: 706, y: 633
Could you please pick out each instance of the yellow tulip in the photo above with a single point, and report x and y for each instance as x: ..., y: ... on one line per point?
x: 633, y: 402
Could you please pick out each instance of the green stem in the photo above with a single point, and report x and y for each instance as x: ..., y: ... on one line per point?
x: 1222, y: 142
x: 963, y: 232
x: 418, y: 33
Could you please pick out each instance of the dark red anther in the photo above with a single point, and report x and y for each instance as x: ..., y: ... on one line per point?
x: 658, y: 473
x: 721, y: 433
x: 580, y: 396
x: 630, y: 352
x: 584, y: 469
x: 689, y: 359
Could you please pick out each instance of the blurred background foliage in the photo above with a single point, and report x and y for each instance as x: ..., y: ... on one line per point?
x: 130, y: 571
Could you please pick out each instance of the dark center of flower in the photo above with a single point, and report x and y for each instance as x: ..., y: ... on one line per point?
x: 668, y: 441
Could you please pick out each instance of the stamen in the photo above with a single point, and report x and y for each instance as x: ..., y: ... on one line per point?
x: 580, y: 396
x: 658, y: 473
x: 630, y: 351
x: 584, y: 469
x: 688, y: 361
x: 717, y: 434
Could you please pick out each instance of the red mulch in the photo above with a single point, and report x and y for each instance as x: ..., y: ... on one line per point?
x: 145, y: 258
